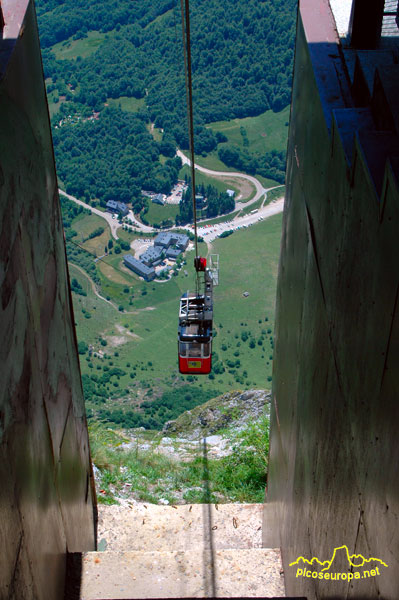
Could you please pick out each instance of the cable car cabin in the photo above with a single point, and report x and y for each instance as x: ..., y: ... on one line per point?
x: 195, y: 334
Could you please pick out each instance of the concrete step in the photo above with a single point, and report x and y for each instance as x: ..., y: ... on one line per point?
x: 197, y: 573
x: 183, y: 527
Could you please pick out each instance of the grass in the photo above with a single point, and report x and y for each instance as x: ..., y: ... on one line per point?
x: 211, y: 161
x: 255, y: 205
x: 265, y: 132
x: 126, y: 103
x: 150, y: 313
x: 150, y: 476
x: 84, y: 226
x: 267, y: 183
x: 217, y: 182
x: 157, y: 213
x: 275, y: 194
x: 159, y: 18
x: 70, y: 49
x: 155, y: 132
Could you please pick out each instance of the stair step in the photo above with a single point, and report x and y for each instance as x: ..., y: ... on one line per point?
x: 197, y: 573
x: 182, y: 527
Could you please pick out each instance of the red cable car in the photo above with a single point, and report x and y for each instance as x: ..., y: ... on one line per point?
x: 195, y: 325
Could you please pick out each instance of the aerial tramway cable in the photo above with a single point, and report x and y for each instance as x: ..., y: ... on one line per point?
x: 185, y: 19
x: 194, y: 335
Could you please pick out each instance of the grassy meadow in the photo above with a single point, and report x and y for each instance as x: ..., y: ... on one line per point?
x: 133, y: 326
x: 70, y: 49
x: 157, y: 213
x: 265, y: 132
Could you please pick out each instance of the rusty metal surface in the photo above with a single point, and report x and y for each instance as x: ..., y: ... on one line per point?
x: 334, y: 451
x: 46, y: 501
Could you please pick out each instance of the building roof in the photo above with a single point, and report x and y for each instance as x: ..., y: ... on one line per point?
x: 162, y: 239
x: 137, y: 265
x: 119, y: 206
x: 173, y: 252
x: 168, y: 238
x: 152, y: 253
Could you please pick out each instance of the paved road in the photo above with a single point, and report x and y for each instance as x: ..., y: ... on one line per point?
x: 260, y: 190
x: 145, y: 228
x: 113, y: 223
x: 211, y: 232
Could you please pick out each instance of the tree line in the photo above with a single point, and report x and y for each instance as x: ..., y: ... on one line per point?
x: 217, y: 203
x: 270, y: 164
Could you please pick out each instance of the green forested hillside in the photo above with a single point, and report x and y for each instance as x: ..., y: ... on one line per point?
x: 112, y: 157
x: 97, y: 52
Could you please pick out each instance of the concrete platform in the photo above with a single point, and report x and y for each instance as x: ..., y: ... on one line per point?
x: 253, y: 572
x: 184, y: 551
x: 182, y: 527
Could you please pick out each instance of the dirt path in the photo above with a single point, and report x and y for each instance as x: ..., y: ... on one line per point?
x: 93, y: 286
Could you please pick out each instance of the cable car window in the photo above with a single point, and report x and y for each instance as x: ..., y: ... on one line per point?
x: 205, y: 350
x: 183, y: 349
x: 194, y: 350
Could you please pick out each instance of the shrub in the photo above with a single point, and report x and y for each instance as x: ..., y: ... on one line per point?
x: 82, y: 347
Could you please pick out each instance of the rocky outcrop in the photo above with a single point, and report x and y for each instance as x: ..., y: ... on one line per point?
x: 234, y: 409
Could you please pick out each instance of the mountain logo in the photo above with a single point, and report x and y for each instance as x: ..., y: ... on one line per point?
x: 341, y: 557
x: 354, y: 560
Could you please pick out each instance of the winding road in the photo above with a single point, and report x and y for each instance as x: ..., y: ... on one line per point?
x: 260, y: 190
x: 209, y: 232
x: 113, y: 223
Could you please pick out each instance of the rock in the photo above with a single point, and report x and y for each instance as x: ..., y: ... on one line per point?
x: 234, y: 409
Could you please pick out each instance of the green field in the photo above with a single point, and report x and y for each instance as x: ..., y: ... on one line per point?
x: 86, y: 224
x: 142, y: 340
x: 157, y: 213
x: 126, y: 103
x: 71, y: 49
x: 265, y: 132
x: 211, y: 161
